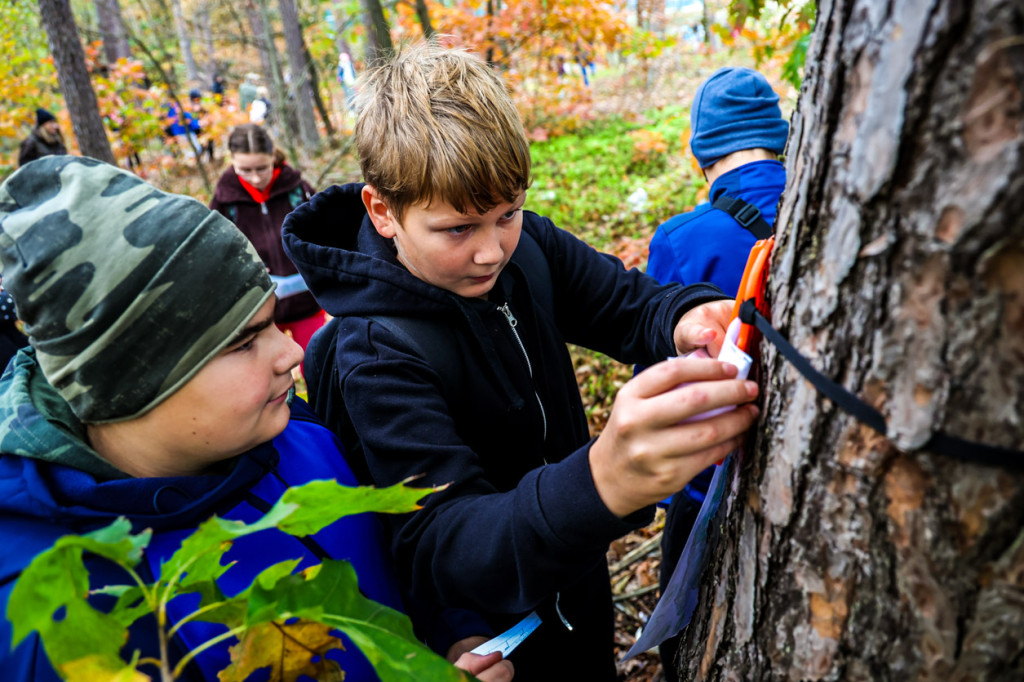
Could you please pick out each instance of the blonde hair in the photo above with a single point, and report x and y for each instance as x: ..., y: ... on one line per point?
x: 437, y: 123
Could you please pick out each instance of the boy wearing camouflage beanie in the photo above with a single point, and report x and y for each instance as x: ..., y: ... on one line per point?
x: 156, y: 388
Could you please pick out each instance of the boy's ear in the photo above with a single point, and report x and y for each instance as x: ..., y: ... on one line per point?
x: 378, y: 212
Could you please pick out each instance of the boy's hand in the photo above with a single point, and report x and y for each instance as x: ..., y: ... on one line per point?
x: 703, y: 327
x: 645, y: 454
x: 489, y: 668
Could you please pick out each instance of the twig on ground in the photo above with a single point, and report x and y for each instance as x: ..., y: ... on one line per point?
x: 635, y: 593
x: 630, y: 557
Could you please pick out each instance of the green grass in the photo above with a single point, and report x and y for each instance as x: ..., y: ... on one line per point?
x: 581, y: 181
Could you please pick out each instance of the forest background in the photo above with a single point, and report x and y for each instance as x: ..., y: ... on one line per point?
x: 603, y: 89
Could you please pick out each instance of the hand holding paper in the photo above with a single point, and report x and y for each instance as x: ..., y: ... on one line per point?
x: 661, y: 434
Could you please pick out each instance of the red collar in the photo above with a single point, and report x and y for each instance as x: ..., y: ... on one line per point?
x: 260, y: 196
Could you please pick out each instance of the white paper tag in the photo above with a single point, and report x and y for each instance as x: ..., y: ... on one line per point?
x: 511, y: 638
x: 731, y: 354
x: 289, y: 285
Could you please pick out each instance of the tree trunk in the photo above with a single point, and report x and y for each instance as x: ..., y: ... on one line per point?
x: 69, y: 59
x: 262, y: 40
x: 111, y: 23
x: 899, y: 271
x: 260, y: 18
x: 423, y: 14
x: 206, y: 31
x: 314, y: 79
x: 300, y: 89
x: 184, y: 42
x: 378, y: 32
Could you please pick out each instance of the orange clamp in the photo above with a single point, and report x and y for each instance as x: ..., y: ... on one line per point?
x: 752, y: 286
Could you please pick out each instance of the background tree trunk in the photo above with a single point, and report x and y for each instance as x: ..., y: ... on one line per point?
x: 73, y: 77
x: 260, y: 19
x: 209, y: 51
x: 262, y: 39
x: 184, y: 42
x: 423, y: 14
x: 300, y: 90
x: 378, y: 32
x: 111, y: 24
x: 899, y: 271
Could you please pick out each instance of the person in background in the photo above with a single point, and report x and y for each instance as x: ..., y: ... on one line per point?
x: 347, y: 79
x: 259, y: 110
x: 171, y: 402
x: 247, y: 91
x: 736, y: 134
x: 217, y: 88
x: 256, y: 192
x: 44, y: 140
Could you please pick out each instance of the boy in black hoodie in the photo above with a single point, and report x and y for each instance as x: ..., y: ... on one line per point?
x: 438, y: 234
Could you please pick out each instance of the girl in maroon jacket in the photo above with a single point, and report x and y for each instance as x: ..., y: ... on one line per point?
x: 256, y: 192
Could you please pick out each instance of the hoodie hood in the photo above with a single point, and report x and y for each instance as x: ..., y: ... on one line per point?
x: 230, y: 191
x: 352, y: 270
x: 49, y: 473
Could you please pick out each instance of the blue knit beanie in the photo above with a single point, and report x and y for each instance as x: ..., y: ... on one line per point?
x: 735, y: 109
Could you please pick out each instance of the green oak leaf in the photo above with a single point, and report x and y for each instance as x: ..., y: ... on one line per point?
x: 58, y: 575
x: 321, y: 503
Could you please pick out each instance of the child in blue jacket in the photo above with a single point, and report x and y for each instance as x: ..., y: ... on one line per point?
x: 157, y: 388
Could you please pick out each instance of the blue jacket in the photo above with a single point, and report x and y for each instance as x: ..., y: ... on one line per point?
x: 41, y: 500
x: 521, y: 527
x: 708, y: 245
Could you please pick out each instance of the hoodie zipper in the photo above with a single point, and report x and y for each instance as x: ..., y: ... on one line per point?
x: 513, y: 323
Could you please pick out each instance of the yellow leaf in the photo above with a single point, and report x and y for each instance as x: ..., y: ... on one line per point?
x: 100, y: 669
x: 288, y: 649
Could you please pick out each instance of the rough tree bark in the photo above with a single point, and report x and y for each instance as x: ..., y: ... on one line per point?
x: 111, y: 23
x: 899, y: 271
x: 73, y: 77
x: 300, y: 88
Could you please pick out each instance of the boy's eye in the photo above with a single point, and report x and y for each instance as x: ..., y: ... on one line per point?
x: 511, y: 214
x: 245, y: 345
x: 459, y: 229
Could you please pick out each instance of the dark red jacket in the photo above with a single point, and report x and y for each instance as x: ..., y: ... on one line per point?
x: 262, y: 226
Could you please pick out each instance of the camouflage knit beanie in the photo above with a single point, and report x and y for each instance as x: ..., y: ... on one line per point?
x: 125, y: 291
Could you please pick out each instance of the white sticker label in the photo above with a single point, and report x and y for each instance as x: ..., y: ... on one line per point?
x: 511, y: 638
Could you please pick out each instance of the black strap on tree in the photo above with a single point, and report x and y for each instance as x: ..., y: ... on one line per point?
x: 940, y: 443
x: 746, y: 214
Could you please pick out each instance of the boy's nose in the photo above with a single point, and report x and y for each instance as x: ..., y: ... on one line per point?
x: 489, y: 249
x: 289, y: 355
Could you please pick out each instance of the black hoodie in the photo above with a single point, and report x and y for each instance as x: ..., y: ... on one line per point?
x: 521, y: 526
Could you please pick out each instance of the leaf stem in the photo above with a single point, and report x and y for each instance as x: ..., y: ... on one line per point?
x: 195, y: 614
x: 206, y: 645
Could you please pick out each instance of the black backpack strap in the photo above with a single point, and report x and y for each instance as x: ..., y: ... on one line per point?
x: 746, y: 214
x: 320, y: 362
x: 432, y: 342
